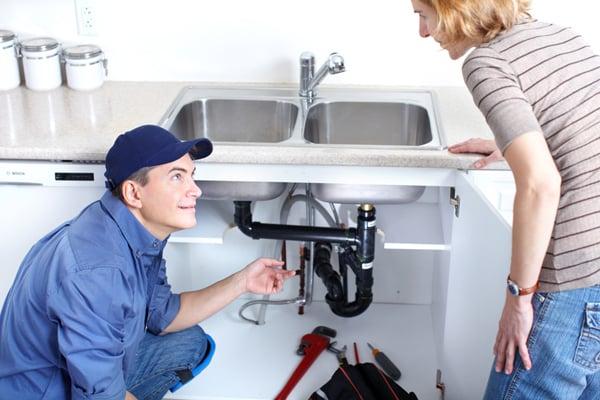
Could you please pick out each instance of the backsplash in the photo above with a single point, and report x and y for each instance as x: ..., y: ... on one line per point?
x: 261, y: 40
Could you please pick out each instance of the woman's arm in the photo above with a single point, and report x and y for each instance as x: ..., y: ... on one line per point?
x: 536, y: 201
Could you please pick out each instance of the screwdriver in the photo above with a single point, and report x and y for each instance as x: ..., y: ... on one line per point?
x: 385, y: 363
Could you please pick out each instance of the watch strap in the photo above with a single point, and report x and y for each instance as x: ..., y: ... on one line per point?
x: 523, y: 291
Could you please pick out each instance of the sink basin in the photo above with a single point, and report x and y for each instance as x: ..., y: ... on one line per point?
x: 353, y: 118
x: 371, y: 124
x: 235, y: 120
x: 242, y: 191
x: 368, y: 123
x: 376, y: 194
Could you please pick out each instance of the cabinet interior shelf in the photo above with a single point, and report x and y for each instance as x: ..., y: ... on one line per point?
x: 414, y: 226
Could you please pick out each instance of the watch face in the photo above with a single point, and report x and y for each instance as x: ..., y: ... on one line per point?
x: 513, y: 288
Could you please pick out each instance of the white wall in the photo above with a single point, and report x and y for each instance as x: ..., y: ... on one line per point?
x: 260, y: 40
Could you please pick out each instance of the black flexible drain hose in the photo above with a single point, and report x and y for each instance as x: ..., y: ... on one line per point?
x: 325, y: 271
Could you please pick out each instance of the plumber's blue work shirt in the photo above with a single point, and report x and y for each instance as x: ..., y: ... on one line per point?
x: 79, y: 307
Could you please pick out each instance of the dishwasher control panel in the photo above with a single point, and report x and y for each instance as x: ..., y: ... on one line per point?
x: 49, y: 173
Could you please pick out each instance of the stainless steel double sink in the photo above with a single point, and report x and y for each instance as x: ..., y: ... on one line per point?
x: 338, y: 118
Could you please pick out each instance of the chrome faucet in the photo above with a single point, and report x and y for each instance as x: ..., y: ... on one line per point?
x: 309, y: 80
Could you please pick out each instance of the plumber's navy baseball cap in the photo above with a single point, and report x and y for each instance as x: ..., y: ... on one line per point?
x: 148, y: 146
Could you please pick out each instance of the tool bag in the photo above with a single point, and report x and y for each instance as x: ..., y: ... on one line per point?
x: 362, y: 381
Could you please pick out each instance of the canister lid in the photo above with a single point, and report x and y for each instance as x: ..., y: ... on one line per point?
x: 39, y: 44
x: 6, y: 36
x: 82, y: 52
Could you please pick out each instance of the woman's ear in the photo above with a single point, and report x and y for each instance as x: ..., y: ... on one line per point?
x: 130, y: 190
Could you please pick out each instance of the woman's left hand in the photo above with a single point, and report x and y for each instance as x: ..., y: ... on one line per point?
x: 486, y: 147
x: 513, y: 332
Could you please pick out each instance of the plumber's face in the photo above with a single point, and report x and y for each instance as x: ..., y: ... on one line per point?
x: 168, y: 200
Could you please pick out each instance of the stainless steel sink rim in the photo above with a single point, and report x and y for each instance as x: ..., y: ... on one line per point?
x: 422, y: 98
x: 328, y: 192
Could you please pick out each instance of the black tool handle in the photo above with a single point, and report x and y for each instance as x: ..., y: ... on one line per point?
x: 387, y: 366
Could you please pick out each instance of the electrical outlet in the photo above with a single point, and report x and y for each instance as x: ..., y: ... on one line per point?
x: 86, y: 17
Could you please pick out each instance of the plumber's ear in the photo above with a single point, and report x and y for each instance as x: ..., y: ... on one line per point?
x: 131, y: 194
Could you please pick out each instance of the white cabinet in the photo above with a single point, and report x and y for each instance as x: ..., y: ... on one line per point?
x: 28, y: 212
x: 439, y: 279
x: 499, y: 188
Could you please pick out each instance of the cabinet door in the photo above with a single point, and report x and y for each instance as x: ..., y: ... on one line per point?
x: 499, y: 188
x: 479, y: 264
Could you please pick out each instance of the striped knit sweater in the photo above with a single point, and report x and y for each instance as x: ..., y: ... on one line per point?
x: 543, y: 77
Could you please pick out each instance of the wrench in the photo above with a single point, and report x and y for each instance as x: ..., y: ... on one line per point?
x: 339, y: 353
x: 311, y: 346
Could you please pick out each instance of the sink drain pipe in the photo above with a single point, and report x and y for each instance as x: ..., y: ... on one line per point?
x: 299, y: 233
x: 358, y: 253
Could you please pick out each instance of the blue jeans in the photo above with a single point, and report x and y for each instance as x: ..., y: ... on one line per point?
x: 564, y: 346
x: 160, y: 358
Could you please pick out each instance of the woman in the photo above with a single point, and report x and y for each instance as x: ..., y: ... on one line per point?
x: 538, y: 86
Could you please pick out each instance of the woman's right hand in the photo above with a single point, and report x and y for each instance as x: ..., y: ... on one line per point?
x: 513, y: 331
x: 479, y: 146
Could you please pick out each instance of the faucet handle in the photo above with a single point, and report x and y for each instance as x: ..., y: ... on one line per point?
x: 307, y: 71
x: 307, y: 57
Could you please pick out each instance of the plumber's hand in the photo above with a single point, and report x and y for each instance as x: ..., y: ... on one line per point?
x: 129, y: 396
x: 265, y: 276
x: 479, y: 146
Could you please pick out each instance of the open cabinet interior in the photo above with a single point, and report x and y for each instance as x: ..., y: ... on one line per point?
x: 416, y: 318
x: 439, y: 284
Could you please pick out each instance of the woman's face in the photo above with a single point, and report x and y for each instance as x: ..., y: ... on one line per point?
x: 428, y: 21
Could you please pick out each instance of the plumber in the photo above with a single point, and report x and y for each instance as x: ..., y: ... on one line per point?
x: 91, y: 314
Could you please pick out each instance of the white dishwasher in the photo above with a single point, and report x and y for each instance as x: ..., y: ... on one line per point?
x: 36, y: 197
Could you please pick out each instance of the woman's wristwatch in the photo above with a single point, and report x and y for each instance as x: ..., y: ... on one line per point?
x: 515, y: 290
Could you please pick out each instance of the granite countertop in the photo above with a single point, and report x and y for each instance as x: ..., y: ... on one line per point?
x: 64, y: 124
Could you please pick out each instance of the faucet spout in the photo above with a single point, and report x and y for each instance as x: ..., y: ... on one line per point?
x: 309, y: 80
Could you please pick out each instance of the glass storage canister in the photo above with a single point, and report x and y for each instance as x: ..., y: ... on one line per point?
x: 85, y: 66
x: 9, y: 66
x: 41, y: 63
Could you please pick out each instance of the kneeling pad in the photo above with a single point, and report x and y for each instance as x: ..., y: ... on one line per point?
x: 210, y: 350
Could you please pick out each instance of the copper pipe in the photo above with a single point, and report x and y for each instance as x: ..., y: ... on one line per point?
x: 283, y: 255
x: 303, y: 251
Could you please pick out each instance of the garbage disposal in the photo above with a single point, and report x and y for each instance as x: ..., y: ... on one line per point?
x: 85, y: 67
x: 41, y: 63
x: 9, y: 66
